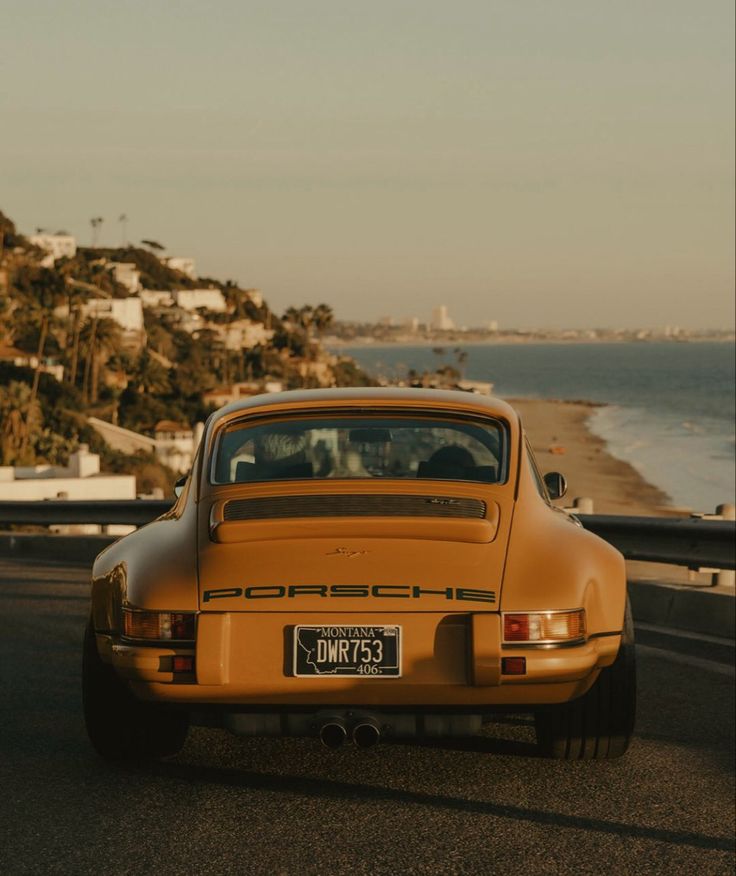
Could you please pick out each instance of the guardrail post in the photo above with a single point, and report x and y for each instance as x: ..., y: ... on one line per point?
x: 725, y: 577
x: 583, y: 505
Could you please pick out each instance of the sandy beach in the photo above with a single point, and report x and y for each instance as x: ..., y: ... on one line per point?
x: 562, y: 442
x: 591, y: 471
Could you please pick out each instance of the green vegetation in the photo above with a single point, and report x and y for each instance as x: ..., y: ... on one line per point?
x: 132, y: 379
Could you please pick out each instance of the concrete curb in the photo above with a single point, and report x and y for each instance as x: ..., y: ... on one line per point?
x: 682, y: 608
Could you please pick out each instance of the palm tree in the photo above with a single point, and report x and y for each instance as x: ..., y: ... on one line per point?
x: 323, y: 318
x: 461, y: 357
x: 100, y: 337
x: 96, y: 223
x: 153, y: 245
x: 20, y: 420
x: 292, y: 319
x: 74, y: 298
x: 46, y: 288
x: 108, y: 340
x: 123, y: 220
x: 150, y: 376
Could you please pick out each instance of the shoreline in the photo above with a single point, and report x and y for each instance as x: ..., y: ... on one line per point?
x: 335, y: 344
x: 562, y: 440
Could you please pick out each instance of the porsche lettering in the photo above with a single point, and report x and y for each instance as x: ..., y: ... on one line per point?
x: 389, y: 591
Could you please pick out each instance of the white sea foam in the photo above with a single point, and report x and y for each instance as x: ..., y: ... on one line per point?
x: 692, y: 465
x: 671, y: 412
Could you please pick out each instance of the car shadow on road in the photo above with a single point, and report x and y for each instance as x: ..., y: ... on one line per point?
x: 474, y: 744
x: 331, y: 789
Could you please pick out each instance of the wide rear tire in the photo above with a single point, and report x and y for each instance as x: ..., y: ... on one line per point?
x: 119, y: 726
x: 599, y: 725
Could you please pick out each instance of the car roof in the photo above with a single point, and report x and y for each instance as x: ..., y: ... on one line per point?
x: 390, y: 396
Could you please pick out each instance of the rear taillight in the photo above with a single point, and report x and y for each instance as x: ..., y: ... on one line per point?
x: 544, y: 627
x: 173, y: 626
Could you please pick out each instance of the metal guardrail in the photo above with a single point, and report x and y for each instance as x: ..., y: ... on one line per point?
x: 50, y: 512
x: 680, y: 541
x: 683, y: 541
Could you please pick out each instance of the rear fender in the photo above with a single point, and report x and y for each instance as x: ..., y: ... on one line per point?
x: 153, y: 568
x: 552, y: 563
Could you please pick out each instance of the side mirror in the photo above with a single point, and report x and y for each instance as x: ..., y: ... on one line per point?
x: 556, y: 484
x: 179, y: 485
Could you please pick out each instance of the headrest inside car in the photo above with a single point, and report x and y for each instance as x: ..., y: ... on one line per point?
x: 452, y: 472
x: 254, y: 471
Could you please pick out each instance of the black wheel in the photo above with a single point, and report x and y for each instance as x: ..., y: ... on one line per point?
x: 598, y: 725
x: 119, y: 726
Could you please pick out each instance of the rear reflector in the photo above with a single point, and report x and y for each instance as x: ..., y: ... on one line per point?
x: 545, y: 626
x: 183, y: 664
x: 513, y: 665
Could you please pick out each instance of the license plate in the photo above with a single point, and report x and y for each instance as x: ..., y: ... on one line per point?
x: 347, y: 651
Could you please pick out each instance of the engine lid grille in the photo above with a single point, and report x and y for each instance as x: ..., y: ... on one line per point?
x: 347, y: 505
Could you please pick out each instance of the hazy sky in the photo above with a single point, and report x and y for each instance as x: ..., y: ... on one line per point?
x: 534, y: 162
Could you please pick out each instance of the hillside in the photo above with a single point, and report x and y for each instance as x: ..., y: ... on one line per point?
x: 134, y: 338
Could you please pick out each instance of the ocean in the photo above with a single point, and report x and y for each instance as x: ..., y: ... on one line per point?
x: 669, y: 407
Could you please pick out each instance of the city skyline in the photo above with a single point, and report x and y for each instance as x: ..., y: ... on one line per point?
x: 538, y: 165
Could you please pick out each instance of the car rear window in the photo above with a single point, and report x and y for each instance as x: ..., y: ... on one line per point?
x: 361, y: 447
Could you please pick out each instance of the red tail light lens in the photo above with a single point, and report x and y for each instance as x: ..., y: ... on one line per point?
x: 516, y: 627
x: 174, y: 626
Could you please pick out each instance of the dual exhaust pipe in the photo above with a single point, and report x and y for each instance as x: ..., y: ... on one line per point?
x: 334, y: 733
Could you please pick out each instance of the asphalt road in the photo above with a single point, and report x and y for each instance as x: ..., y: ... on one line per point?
x: 229, y: 805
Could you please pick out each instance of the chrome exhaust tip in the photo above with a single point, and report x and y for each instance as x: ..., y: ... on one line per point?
x: 333, y: 734
x: 366, y: 734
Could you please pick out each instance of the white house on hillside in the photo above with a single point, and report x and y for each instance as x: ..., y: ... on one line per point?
x: 28, y: 360
x: 181, y: 263
x: 174, y: 444
x: 81, y: 479
x: 58, y: 245
x: 244, y: 334
x: 156, y: 297
x: 191, y: 299
x: 126, y: 312
x: 127, y: 274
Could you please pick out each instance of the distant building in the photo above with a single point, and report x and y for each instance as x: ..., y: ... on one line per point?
x: 81, y: 479
x: 441, y: 321
x: 411, y: 324
x: 243, y: 334
x: 224, y: 395
x: 156, y: 297
x: 182, y: 264
x: 174, y: 445
x: 256, y: 296
x: 127, y: 274
x: 385, y: 321
x: 28, y: 360
x: 57, y: 245
x: 192, y: 299
x: 319, y: 370
x: 493, y: 325
x: 126, y: 312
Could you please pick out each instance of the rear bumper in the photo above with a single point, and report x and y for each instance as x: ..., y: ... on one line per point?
x: 448, y: 660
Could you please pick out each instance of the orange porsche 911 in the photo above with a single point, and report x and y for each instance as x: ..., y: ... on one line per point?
x: 358, y: 565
